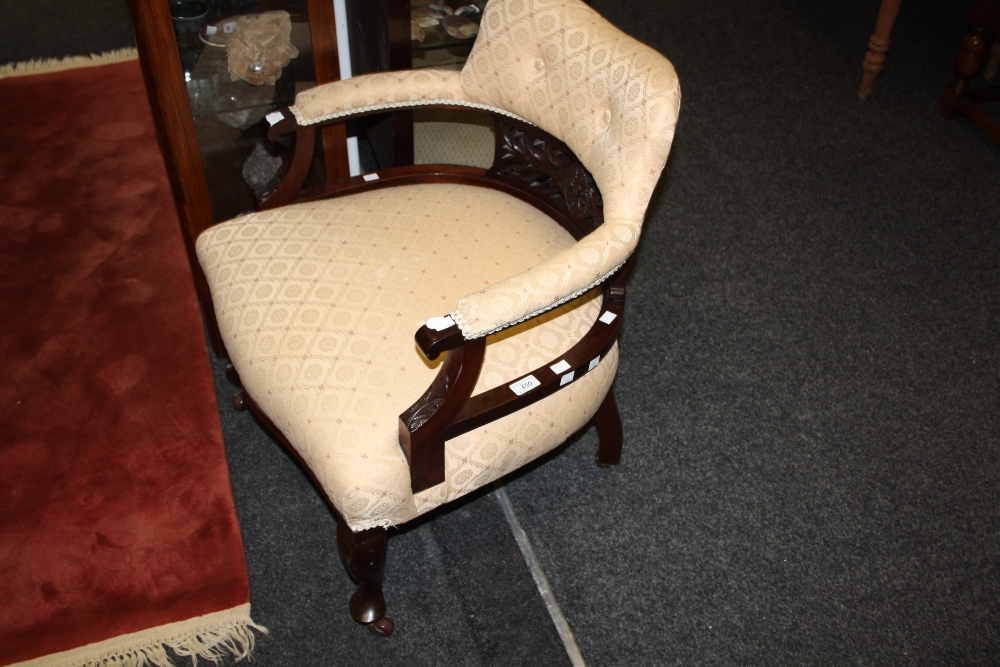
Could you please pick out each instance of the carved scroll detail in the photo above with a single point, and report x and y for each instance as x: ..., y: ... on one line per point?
x: 429, y: 403
x: 551, y: 173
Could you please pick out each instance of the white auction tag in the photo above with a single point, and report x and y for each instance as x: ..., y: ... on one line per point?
x: 524, y: 385
x: 370, y: 177
x: 274, y: 118
x: 228, y: 27
x: 566, y: 379
x: 608, y: 317
x: 211, y: 30
x: 561, y: 367
x: 440, y: 323
x: 593, y: 363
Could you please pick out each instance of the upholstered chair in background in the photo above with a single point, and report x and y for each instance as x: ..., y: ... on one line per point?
x: 509, y: 280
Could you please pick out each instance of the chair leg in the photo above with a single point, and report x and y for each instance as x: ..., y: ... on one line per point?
x: 609, y: 432
x: 364, y: 556
x: 968, y: 62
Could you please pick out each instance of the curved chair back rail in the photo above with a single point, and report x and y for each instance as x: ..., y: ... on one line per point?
x: 559, y: 65
x: 528, y: 162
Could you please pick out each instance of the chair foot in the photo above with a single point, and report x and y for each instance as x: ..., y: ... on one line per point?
x: 239, y: 402
x: 232, y: 375
x: 609, y: 432
x: 383, y: 627
x: 368, y: 603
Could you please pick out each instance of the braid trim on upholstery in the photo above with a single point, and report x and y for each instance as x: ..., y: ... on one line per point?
x: 385, y: 90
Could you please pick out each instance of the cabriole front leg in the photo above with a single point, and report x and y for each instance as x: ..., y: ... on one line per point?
x: 364, y: 556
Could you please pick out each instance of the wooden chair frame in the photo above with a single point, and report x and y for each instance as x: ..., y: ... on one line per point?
x: 529, y: 164
x: 537, y: 168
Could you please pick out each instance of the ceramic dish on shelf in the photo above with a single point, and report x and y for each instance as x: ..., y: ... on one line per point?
x: 218, y: 33
x: 460, y: 27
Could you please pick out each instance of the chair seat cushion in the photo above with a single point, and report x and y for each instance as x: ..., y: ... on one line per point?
x: 318, y: 304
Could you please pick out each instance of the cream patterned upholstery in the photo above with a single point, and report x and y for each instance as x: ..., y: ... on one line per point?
x: 384, y: 90
x: 559, y: 65
x: 318, y: 304
x: 613, y: 100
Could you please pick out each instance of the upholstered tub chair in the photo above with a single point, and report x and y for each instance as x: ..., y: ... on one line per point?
x: 337, y: 302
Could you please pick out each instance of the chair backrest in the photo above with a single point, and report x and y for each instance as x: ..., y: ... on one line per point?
x: 613, y: 100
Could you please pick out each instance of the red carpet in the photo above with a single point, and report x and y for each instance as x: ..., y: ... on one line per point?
x: 116, y: 513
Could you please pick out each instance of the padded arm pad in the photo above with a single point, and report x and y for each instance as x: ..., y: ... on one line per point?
x: 383, y: 90
x: 551, y: 283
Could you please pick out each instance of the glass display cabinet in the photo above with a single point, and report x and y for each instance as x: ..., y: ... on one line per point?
x: 442, y: 31
x: 208, y: 120
x: 406, y: 34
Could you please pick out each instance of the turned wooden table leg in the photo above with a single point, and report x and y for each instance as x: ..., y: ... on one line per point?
x: 878, y: 46
x: 968, y: 62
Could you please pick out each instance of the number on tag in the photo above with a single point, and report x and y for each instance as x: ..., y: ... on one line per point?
x: 524, y: 385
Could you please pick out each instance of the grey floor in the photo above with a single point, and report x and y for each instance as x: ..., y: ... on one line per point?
x: 809, y: 384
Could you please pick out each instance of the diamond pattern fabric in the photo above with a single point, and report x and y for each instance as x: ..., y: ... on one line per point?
x: 559, y: 65
x: 318, y: 304
x: 613, y: 100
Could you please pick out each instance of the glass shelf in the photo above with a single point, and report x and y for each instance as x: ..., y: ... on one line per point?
x: 227, y: 113
x: 435, y: 37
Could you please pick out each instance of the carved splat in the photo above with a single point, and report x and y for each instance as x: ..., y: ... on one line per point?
x: 548, y: 170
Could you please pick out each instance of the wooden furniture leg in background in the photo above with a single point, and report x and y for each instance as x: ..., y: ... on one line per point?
x: 958, y: 99
x: 968, y: 62
x: 878, y: 45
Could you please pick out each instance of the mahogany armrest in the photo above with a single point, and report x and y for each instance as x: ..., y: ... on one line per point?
x: 553, y: 375
x: 433, y: 342
x: 447, y: 409
x: 279, y: 122
x: 421, y: 427
x: 286, y: 185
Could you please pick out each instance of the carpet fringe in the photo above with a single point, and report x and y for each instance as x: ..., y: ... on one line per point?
x: 45, y: 65
x: 211, y: 638
x: 236, y: 639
